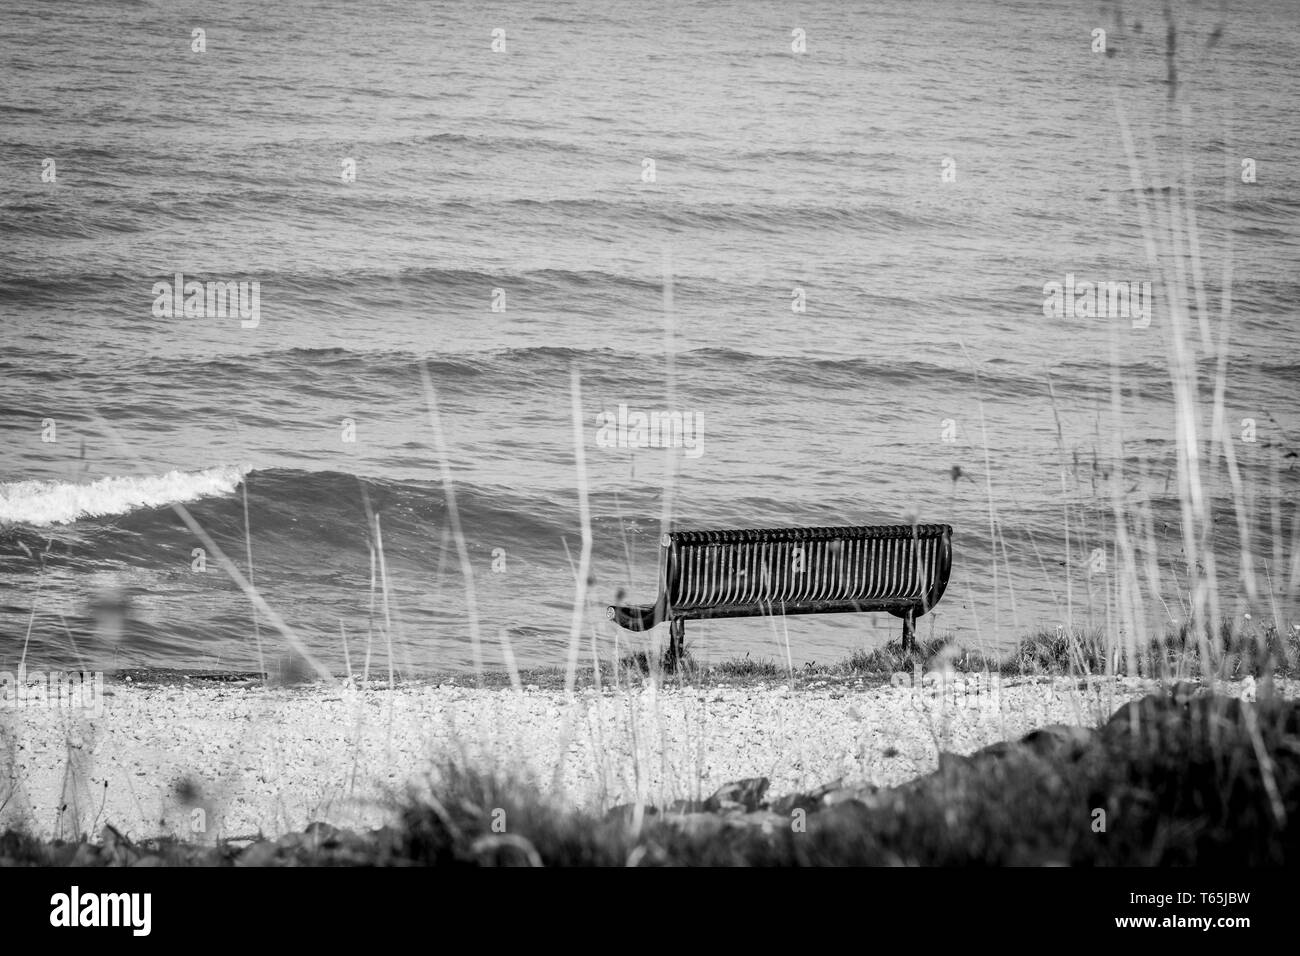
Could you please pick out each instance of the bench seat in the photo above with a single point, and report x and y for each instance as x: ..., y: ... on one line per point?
x: 900, y: 569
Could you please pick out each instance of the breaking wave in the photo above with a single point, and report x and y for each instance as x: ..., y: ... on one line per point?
x: 43, y: 503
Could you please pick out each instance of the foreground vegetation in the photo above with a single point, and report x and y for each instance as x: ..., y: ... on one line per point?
x: 1240, y: 651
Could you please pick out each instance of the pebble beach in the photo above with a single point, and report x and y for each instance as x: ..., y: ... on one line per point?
x: 204, y: 760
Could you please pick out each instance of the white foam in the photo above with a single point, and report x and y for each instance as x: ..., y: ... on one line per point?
x: 61, y: 502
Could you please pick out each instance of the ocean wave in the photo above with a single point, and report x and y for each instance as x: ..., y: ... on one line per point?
x: 43, y: 503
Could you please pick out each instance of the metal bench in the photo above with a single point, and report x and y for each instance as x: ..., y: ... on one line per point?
x: 902, y: 569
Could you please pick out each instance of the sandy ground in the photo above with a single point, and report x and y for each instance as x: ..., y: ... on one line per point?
x: 205, y: 761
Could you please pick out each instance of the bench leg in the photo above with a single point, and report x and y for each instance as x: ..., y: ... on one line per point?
x: 909, y: 633
x: 676, y: 643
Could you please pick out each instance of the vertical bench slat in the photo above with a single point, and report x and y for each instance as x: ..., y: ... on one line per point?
x: 834, y: 569
x: 722, y: 580
x: 904, y: 564
x: 765, y: 571
x: 681, y: 587
x: 881, y: 566
x: 857, y: 583
x: 916, y: 547
x: 698, y: 584
x: 864, y: 570
x: 686, y: 556
x: 872, y: 570
x: 709, y: 592
x: 931, y: 565
x: 904, y: 544
x: 855, y: 573
x: 737, y: 588
x: 909, y: 566
x: 819, y: 570
x: 786, y: 564
x: 828, y: 570
x: 936, y: 562
x: 731, y: 573
x: 827, y: 574
x: 846, y: 563
x: 693, y: 579
x: 748, y: 575
x: 790, y: 578
x: 718, y: 592
x: 868, y: 586
x: 777, y: 572
x: 922, y: 550
x: 701, y: 574
x: 700, y: 560
x: 806, y: 578
x: 846, y: 569
x: 907, y: 551
x: 722, y: 575
x: 811, y: 570
x: 927, y: 568
x: 891, y: 584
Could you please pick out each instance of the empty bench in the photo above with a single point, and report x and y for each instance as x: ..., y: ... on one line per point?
x: 902, y: 569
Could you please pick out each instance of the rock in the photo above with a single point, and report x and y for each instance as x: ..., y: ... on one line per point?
x: 746, y: 794
x: 997, y: 751
x: 1157, y: 718
x: 262, y: 853
x: 1056, y: 741
x: 809, y: 802
x: 1059, y: 741
x: 864, y: 794
x: 1173, y: 724
x: 320, y: 834
x: 950, y: 762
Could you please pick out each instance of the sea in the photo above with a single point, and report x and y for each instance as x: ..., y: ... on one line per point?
x: 840, y: 251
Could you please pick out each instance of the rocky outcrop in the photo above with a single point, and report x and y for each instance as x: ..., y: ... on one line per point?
x: 1154, y: 759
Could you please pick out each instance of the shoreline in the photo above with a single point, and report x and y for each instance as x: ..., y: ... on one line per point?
x: 204, y: 757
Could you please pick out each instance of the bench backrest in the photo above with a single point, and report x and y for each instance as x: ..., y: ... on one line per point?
x: 807, y: 568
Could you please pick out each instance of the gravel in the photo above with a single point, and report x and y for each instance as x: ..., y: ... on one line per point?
x: 205, y: 762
